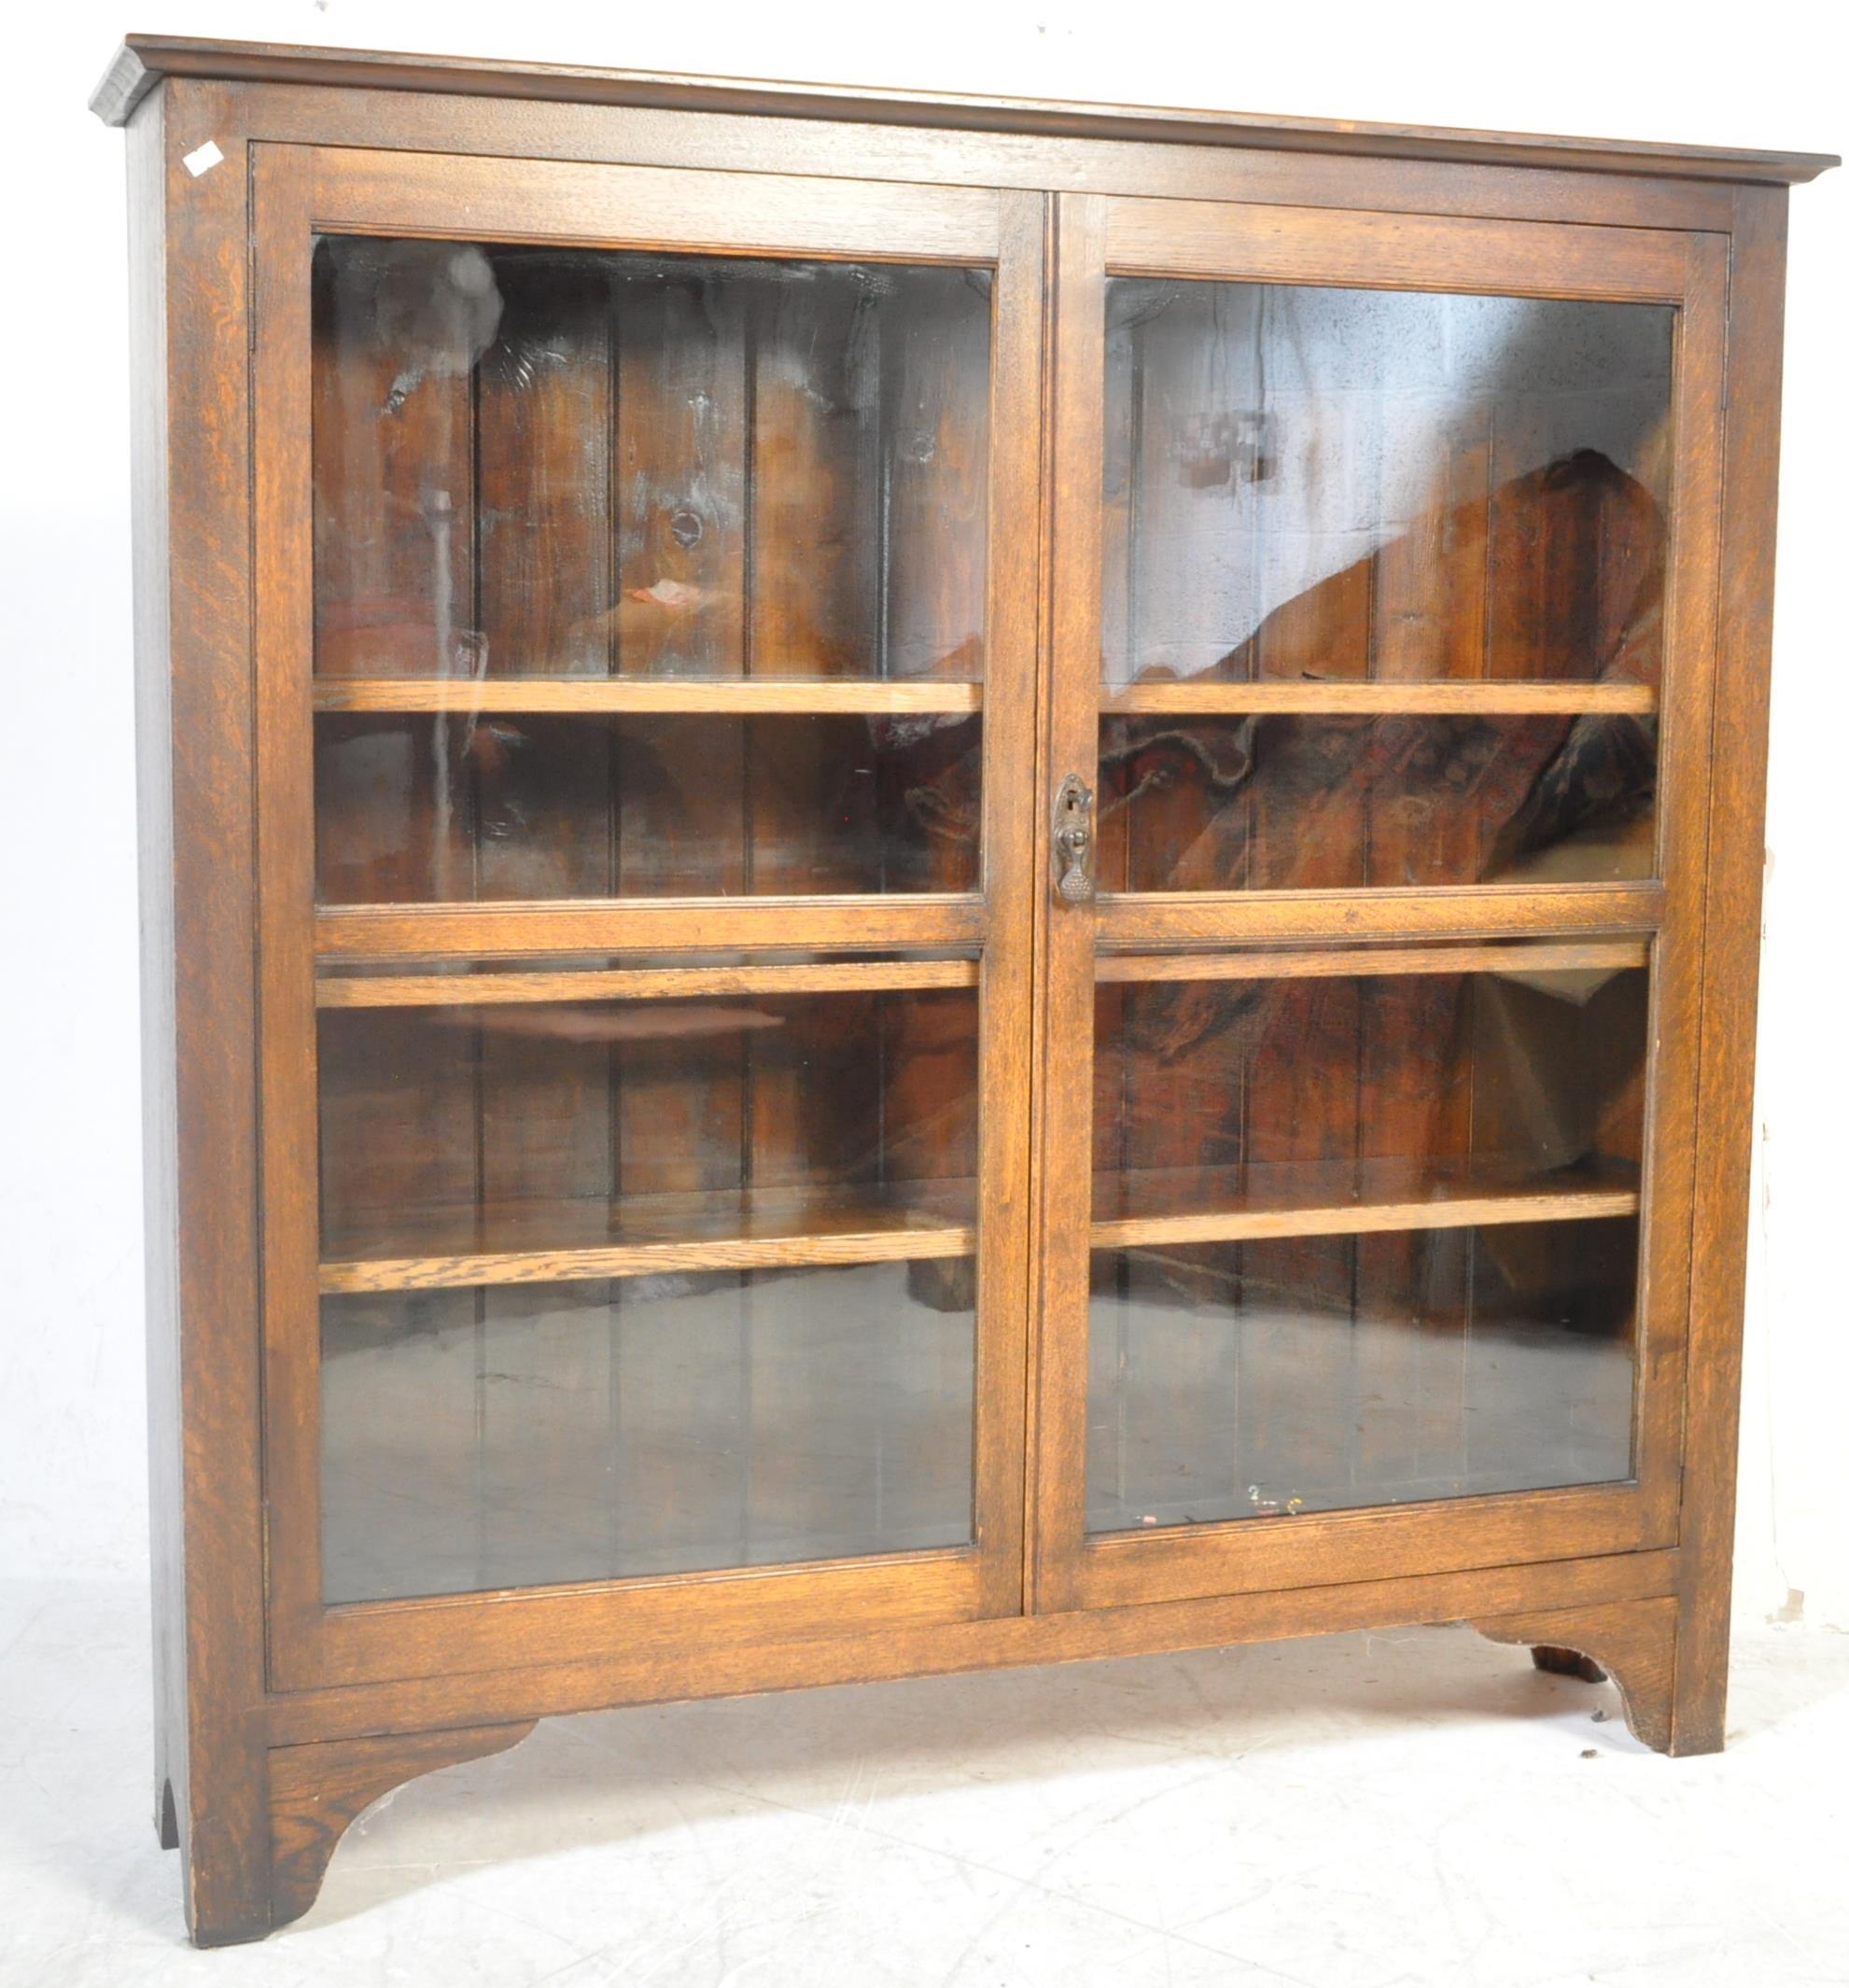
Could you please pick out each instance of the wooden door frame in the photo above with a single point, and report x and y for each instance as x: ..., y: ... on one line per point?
x: 1097, y: 236
x: 299, y: 190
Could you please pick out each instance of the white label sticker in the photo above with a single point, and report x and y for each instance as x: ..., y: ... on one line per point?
x: 204, y: 159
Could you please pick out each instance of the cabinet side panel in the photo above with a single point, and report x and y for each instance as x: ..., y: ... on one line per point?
x: 154, y: 807
x: 1730, y: 974
x: 197, y: 761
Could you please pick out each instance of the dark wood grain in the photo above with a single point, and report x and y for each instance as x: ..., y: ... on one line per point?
x: 649, y: 207
x: 715, y: 924
x: 418, y: 991
x: 1634, y: 1643
x: 1064, y: 1049
x: 1734, y: 878
x: 1227, y: 917
x: 144, y: 59
x: 198, y: 800
x: 283, y: 625
x: 315, y: 1790
x: 706, y: 141
x: 653, y: 1672
x: 656, y: 1151
x: 889, y: 533
x: 1524, y: 576
x: 1011, y: 874
x: 1409, y: 252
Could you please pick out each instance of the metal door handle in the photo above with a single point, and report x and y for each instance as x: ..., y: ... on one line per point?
x: 1072, y: 841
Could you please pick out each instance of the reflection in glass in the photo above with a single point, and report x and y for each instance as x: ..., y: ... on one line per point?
x: 1328, y: 483
x: 551, y: 1124
x: 533, y: 461
x: 1241, y: 1381
x: 1290, y: 802
x: 1309, y: 485
x: 1331, y: 1126
x: 766, y: 1205
x: 507, y: 1436
x: 411, y: 807
x: 1517, y: 1073
x: 595, y: 468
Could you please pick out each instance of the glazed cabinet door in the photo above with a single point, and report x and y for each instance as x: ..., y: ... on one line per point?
x: 646, y: 619
x: 1377, y: 743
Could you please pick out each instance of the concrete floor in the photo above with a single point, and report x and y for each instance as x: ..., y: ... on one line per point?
x: 1412, y: 1807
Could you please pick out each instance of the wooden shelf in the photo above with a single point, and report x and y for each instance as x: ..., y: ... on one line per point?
x: 1234, y: 1204
x: 739, y: 697
x: 482, y: 991
x: 560, y: 1242
x: 1378, y: 698
x: 556, y: 1241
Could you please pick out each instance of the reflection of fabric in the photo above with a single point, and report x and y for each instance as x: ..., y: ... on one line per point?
x: 1365, y: 1086
x: 1569, y: 586
x: 435, y: 302
x: 1287, y: 801
x: 1263, y: 438
x: 1193, y: 1075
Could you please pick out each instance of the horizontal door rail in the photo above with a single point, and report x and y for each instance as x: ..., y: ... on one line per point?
x: 1227, y: 917
x: 579, y: 924
x: 479, y: 990
x: 740, y: 696
x: 1534, y: 956
x: 657, y: 209
x: 1372, y: 1198
x: 1358, y: 698
x: 1248, y: 242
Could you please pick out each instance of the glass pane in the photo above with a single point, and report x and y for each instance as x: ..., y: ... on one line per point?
x: 1314, y: 487
x: 1286, y: 802
x: 501, y: 1436
x: 1284, y: 1168
x: 411, y: 807
x: 1262, y: 1380
x: 640, y: 1283
x: 568, y: 476
x: 582, y: 462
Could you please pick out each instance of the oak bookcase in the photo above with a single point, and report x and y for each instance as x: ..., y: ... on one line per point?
x: 928, y: 883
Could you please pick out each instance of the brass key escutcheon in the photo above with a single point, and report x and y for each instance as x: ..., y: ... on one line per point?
x: 1072, y: 841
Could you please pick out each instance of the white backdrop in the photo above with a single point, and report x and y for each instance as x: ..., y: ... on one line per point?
x: 72, y: 1451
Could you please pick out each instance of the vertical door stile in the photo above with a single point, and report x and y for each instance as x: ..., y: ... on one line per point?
x: 1689, y: 726
x: 1009, y: 880
x: 1064, y: 1199
x: 287, y: 1151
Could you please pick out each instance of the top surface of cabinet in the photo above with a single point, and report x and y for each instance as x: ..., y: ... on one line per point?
x: 143, y: 60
